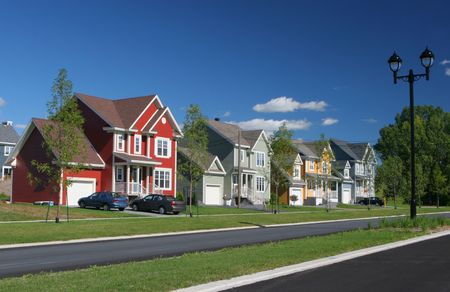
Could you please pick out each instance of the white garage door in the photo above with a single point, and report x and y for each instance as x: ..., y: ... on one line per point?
x: 346, y: 196
x: 79, y: 189
x: 213, y: 195
x: 298, y: 193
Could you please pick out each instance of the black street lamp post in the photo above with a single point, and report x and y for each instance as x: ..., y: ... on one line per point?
x: 395, y: 62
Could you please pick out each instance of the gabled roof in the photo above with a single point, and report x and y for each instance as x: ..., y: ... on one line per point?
x: 359, y: 149
x: 349, y: 151
x: 230, y: 132
x: 8, y: 134
x: 205, y: 165
x: 304, y: 148
x: 90, y: 158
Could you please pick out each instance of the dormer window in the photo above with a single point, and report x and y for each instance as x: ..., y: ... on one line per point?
x: 120, y: 142
x: 346, y: 173
x: 297, y: 171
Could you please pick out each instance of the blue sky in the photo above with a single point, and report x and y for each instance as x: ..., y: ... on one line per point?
x: 243, y: 61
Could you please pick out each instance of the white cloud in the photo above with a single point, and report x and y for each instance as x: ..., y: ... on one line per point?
x: 284, y: 104
x: 447, y: 71
x: 370, y: 120
x: 272, y: 125
x: 2, y: 101
x: 329, y: 121
x: 445, y: 62
x: 227, y: 114
x: 20, y: 126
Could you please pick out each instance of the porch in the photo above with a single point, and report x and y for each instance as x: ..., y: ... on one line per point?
x: 134, y: 176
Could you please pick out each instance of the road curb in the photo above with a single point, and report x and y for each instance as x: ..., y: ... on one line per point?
x: 111, y: 238
x: 292, y: 269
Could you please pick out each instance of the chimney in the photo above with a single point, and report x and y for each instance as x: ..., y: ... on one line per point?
x: 7, y: 123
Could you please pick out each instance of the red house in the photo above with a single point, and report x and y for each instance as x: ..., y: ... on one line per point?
x: 131, y: 149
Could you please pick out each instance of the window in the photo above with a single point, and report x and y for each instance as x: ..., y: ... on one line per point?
x: 119, y: 173
x: 8, y: 150
x: 346, y: 173
x: 324, y: 167
x: 260, y: 159
x: 162, y: 148
x: 297, y: 171
x: 137, y: 144
x: 242, y: 155
x: 260, y: 184
x: 311, y: 165
x: 120, y: 142
x: 163, y: 179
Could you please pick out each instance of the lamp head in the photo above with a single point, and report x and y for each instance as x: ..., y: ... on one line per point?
x: 395, y: 62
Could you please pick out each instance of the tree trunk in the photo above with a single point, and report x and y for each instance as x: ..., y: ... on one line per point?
x: 190, y: 192
x: 276, y: 199
x: 395, y: 199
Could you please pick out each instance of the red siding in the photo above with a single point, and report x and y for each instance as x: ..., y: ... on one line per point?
x: 22, y: 190
x: 165, y: 131
x: 86, y: 173
x: 101, y: 140
x: 145, y: 117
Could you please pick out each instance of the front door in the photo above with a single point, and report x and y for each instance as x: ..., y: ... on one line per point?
x: 136, y: 177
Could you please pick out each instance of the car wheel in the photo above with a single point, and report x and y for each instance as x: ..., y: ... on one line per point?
x: 162, y: 210
x: 121, y: 209
x: 82, y: 204
x: 105, y: 207
x: 135, y: 207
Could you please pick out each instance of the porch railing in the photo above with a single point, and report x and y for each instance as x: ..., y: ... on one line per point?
x: 135, y: 189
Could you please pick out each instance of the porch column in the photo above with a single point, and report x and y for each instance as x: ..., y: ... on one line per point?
x: 128, y: 179
x: 147, y: 173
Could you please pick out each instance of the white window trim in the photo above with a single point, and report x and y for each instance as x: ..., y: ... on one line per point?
x: 169, y: 147
x: 311, y: 165
x: 299, y: 176
x: 263, y: 184
x: 138, y: 138
x: 346, y: 173
x: 256, y: 159
x: 242, y: 155
x: 170, y: 178
x: 121, y: 149
x: 11, y: 148
x: 117, y: 173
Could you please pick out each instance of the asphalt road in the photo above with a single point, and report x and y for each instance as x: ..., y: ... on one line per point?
x: 25, y: 260
x: 422, y: 266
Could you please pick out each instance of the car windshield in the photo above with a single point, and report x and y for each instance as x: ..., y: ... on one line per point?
x: 170, y: 199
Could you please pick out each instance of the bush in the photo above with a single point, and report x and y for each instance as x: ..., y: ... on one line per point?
x: 4, y: 197
x: 179, y: 196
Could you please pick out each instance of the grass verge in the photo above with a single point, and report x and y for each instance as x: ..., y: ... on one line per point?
x: 22, y: 212
x: 41, y: 232
x: 195, y: 268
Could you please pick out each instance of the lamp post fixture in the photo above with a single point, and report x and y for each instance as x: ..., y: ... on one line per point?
x: 395, y: 63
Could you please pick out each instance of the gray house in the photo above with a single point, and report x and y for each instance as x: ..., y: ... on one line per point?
x: 355, y: 162
x: 8, y: 139
x: 249, y: 150
x: 209, y: 189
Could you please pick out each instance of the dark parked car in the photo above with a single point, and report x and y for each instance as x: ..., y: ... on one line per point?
x: 373, y: 201
x: 104, y: 200
x: 160, y: 203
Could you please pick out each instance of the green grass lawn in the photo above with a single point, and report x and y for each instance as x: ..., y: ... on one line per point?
x: 22, y: 211
x: 41, y: 232
x: 166, y: 274
x: 212, y: 210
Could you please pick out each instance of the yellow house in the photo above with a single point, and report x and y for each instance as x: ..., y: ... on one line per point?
x: 320, y: 184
